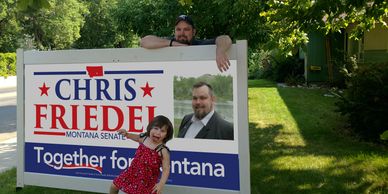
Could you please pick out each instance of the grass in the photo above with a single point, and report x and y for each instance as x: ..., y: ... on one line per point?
x: 295, y: 146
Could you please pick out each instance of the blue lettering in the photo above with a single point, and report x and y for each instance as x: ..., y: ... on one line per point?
x: 77, y: 88
x: 58, y: 89
x: 130, y: 89
x: 117, y: 89
x: 102, y: 86
x: 82, y: 89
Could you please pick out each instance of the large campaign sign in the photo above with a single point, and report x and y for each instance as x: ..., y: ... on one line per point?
x: 73, y: 109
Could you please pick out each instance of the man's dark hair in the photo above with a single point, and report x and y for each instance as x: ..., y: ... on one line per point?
x: 200, y: 84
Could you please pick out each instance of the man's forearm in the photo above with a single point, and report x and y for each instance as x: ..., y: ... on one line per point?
x: 154, y: 42
x: 223, y: 43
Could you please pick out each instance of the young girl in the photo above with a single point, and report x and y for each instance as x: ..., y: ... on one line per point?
x: 142, y: 175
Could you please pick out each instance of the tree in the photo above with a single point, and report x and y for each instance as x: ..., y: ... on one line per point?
x: 56, y: 27
x: 144, y: 17
x: 100, y: 29
x: 239, y: 19
x: 10, y: 31
x: 290, y: 21
x: 23, y: 5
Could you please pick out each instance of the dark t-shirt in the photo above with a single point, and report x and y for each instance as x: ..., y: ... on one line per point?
x: 200, y: 42
x: 203, y: 42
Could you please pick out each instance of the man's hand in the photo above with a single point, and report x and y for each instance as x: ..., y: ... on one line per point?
x: 222, y: 61
x: 223, y: 44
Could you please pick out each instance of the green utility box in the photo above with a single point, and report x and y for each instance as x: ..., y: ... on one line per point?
x: 315, y: 64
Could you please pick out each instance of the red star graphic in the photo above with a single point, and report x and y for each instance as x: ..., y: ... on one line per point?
x: 44, y: 90
x: 147, y: 90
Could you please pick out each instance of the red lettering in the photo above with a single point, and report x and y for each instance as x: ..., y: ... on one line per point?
x: 88, y: 117
x: 108, y: 118
x: 151, y: 113
x: 39, y: 115
x: 133, y: 118
x: 56, y: 118
x: 105, y: 118
x: 74, y: 115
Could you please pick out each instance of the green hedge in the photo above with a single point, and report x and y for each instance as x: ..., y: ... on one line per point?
x: 366, y: 100
x: 7, y: 64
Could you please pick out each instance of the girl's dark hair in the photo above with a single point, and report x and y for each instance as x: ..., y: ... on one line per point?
x: 161, y: 121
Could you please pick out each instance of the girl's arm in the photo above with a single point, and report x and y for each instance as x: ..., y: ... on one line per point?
x: 165, y: 172
x: 134, y: 137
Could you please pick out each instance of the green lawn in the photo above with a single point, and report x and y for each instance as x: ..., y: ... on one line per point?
x: 295, y: 147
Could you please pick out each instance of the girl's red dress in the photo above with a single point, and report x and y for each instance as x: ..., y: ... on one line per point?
x: 143, y: 173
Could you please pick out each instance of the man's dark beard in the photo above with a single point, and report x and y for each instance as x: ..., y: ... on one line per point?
x: 183, y: 41
x: 200, y: 114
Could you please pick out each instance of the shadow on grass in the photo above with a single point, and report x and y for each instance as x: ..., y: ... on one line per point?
x: 261, y: 84
x: 336, y: 164
x: 267, y: 176
x: 324, y: 163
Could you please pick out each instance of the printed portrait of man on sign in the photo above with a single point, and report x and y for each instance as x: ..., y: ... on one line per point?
x: 204, y: 107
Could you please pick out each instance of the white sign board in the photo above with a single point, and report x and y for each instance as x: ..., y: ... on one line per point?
x: 75, y: 101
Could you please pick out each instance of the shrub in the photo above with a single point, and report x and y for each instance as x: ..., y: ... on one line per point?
x: 7, y: 64
x: 259, y: 64
x: 274, y: 66
x: 365, y: 100
x: 294, y: 80
x: 287, y: 68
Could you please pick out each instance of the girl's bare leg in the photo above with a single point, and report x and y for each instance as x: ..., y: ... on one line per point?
x: 113, y: 189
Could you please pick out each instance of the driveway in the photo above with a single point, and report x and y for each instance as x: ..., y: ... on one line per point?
x: 8, y: 158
